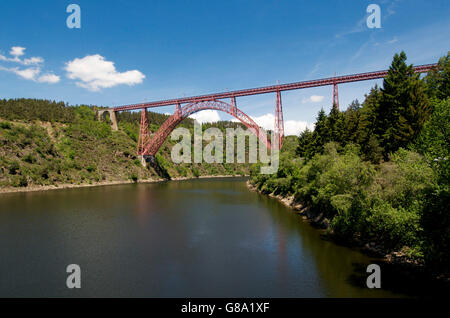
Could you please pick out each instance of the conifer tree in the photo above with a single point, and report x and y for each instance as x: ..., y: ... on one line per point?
x: 351, y: 122
x: 438, y: 81
x: 304, y: 148
x: 403, y: 107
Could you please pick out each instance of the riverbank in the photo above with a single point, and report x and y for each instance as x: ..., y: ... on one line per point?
x: 317, y: 220
x: 399, y: 260
x: 105, y: 183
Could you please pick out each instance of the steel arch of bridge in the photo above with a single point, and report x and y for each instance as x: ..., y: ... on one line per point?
x: 149, y: 146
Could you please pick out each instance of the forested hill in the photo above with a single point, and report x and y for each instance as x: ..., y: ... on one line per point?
x: 50, y: 143
x: 378, y: 173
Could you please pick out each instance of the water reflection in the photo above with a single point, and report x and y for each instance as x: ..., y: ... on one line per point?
x: 201, y: 238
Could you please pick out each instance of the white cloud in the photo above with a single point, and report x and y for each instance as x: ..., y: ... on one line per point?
x: 32, y: 74
x: 48, y: 78
x: 361, y: 24
x: 294, y: 127
x: 29, y: 73
x: 17, y: 51
x: 93, y: 72
x: 313, y: 99
x: 206, y: 116
x: 291, y: 127
x: 359, y: 27
x: 266, y: 121
x: 33, y: 61
x: 315, y: 69
x: 394, y: 40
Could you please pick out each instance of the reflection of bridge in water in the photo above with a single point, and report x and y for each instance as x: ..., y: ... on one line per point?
x: 148, y: 145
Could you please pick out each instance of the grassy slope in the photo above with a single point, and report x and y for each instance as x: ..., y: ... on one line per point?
x: 84, y: 150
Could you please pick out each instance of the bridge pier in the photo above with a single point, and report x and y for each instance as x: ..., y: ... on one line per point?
x: 112, y: 117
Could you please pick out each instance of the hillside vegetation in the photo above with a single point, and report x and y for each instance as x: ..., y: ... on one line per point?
x: 379, y: 172
x: 50, y: 143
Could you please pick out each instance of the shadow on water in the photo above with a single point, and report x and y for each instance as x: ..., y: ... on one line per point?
x: 343, y: 267
x: 401, y: 279
x: 193, y: 238
x: 398, y: 278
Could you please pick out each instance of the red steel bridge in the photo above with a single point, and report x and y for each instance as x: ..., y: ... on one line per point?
x: 148, y: 145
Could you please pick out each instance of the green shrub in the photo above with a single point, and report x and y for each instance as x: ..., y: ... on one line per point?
x: 435, y: 220
x: 195, y: 172
x: 91, y: 168
x: 5, y: 125
x: 29, y: 158
x: 394, y: 227
x: 14, y: 167
x: 23, y: 181
x: 134, y: 177
x: 404, y: 180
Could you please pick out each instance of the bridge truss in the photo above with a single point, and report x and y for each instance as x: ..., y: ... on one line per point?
x: 149, y: 145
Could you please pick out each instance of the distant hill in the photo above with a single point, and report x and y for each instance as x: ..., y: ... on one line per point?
x: 51, y: 143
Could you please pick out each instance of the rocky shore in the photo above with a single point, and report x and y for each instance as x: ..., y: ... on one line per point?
x: 305, y: 212
x: 103, y: 183
x: 398, y: 259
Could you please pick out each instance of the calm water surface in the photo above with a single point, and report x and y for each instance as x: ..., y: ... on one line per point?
x: 200, y: 238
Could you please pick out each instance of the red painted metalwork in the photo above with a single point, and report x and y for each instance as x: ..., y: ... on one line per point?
x: 147, y: 146
x: 152, y: 146
x: 144, y: 135
x: 335, y: 95
x: 272, y: 89
x: 233, y: 105
x: 279, y: 125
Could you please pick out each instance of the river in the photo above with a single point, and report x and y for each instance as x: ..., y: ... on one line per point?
x: 194, y: 238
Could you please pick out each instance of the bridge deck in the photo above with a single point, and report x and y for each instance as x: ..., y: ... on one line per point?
x: 271, y: 89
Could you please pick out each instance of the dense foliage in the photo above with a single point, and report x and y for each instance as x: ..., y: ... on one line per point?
x: 48, y: 143
x: 379, y: 172
x: 35, y: 109
x: 390, y: 118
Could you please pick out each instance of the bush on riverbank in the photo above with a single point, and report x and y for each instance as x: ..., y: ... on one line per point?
x: 379, y: 172
x: 363, y: 201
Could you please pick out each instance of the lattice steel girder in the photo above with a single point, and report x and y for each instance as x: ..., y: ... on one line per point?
x: 152, y: 146
x: 279, y: 124
x: 272, y: 89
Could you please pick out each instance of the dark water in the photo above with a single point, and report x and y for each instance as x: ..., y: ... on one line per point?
x: 201, y: 238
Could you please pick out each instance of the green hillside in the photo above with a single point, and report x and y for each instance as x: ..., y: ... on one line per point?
x: 49, y: 143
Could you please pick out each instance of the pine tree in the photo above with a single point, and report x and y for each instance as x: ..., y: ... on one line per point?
x: 321, y: 134
x: 438, y: 81
x: 336, y: 125
x: 311, y: 143
x: 369, y: 116
x: 403, y: 107
x: 351, y: 122
x: 304, y: 148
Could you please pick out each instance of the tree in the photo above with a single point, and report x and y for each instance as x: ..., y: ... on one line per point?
x: 321, y: 134
x: 434, y: 140
x: 438, y: 81
x: 352, y: 121
x: 435, y: 221
x: 403, y: 108
x: 336, y: 125
x: 305, y: 143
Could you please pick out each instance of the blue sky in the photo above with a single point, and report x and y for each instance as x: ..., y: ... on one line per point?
x: 166, y: 49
